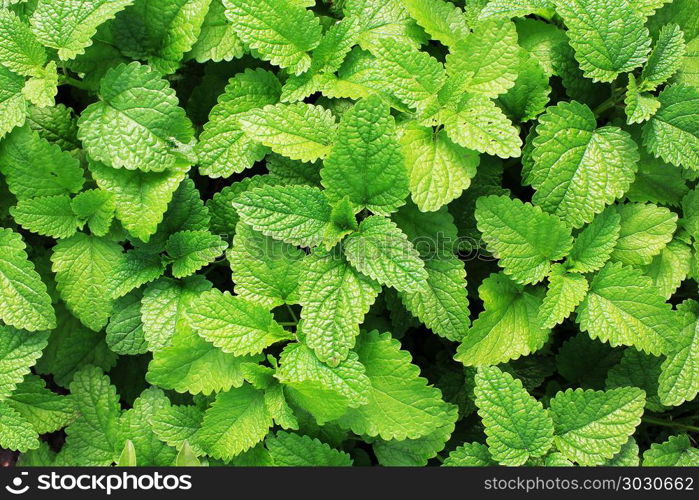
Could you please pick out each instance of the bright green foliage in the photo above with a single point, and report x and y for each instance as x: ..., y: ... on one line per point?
x: 677, y: 451
x: 335, y: 298
x: 233, y: 324
x: 565, y: 292
x: 366, y: 163
x: 293, y: 214
x: 516, y: 424
x: 475, y: 122
x: 69, y: 26
x: 522, y: 236
x: 83, y: 265
x: 298, y: 131
x: 343, y: 386
x: 438, y: 169
x: 238, y: 232
x: 24, y: 302
x: 579, y: 168
x: 484, y: 62
x: 508, y: 328
x: 137, y: 124
x: 679, y: 380
x: 294, y: 450
x: 673, y: 133
x: 382, y: 251
x: 236, y: 421
x: 400, y: 403
x: 592, y: 426
x: 623, y: 308
x: 282, y: 31
x: 223, y: 147
x: 609, y: 36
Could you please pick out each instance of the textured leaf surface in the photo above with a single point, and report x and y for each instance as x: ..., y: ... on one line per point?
x: 679, y: 380
x: 522, y: 236
x: 623, y: 308
x: 24, y: 302
x: 334, y: 299
x: 137, y: 124
x: 592, y: 426
x: 516, y: 424
x: 595, y: 243
x: 18, y: 353
x: 294, y: 450
x: 578, y: 168
x: 645, y: 230
x: 565, y: 292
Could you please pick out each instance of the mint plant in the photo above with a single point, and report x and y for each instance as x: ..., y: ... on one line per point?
x: 349, y: 232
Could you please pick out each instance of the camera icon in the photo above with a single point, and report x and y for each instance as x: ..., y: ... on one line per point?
x: 16, y: 487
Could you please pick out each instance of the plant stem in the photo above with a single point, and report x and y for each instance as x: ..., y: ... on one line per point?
x: 674, y: 425
x: 292, y: 313
x: 288, y: 323
x: 79, y: 84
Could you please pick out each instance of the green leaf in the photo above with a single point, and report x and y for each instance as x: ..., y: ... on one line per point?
x: 137, y: 124
x: 640, y: 106
x: 223, y: 148
x: 83, y: 265
x: 475, y: 122
x: 24, y: 302
x: 592, y: 426
x: 343, y: 221
x: 665, y: 58
x: 16, y: 433
x: 637, y: 369
x: 594, y: 244
x: 569, y: 175
x: 159, y: 31
x: 163, y: 308
x: 140, y: 198
x: 298, y: 131
x: 441, y: 302
x: 281, y: 31
x: 93, y: 439
x: 469, y: 455
x: 645, y: 230
x: 96, y: 207
x: 484, y: 62
x: 233, y: 324
x: 623, y: 308
x: 565, y: 292
x: 49, y: 216
x: 34, y: 167
x: 45, y: 410
x: 413, y: 76
x: 324, y: 391
x: 677, y: 451
x: 186, y: 457
x: 137, y: 268
x: 218, y: 40
x: 177, y: 425
x: 516, y: 424
x: 528, y: 98
x: 18, y: 352
x: 382, y: 251
x: 401, y: 404
x: 13, y: 106
x: 237, y: 421
x: 127, y: 458
x: 191, y: 364
x: 509, y: 326
x: 294, y: 450
x: 366, y: 163
x: 438, y: 169
x: 125, y: 329
x: 679, y: 380
x: 293, y: 214
x: 69, y: 26
x: 265, y: 271
x: 609, y: 36
x: 442, y: 20
x: 334, y: 299
x: 673, y: 133
x: 522, y: 236
x: 192, y: 250
x: 20, y: 52
x: 670, y: 267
